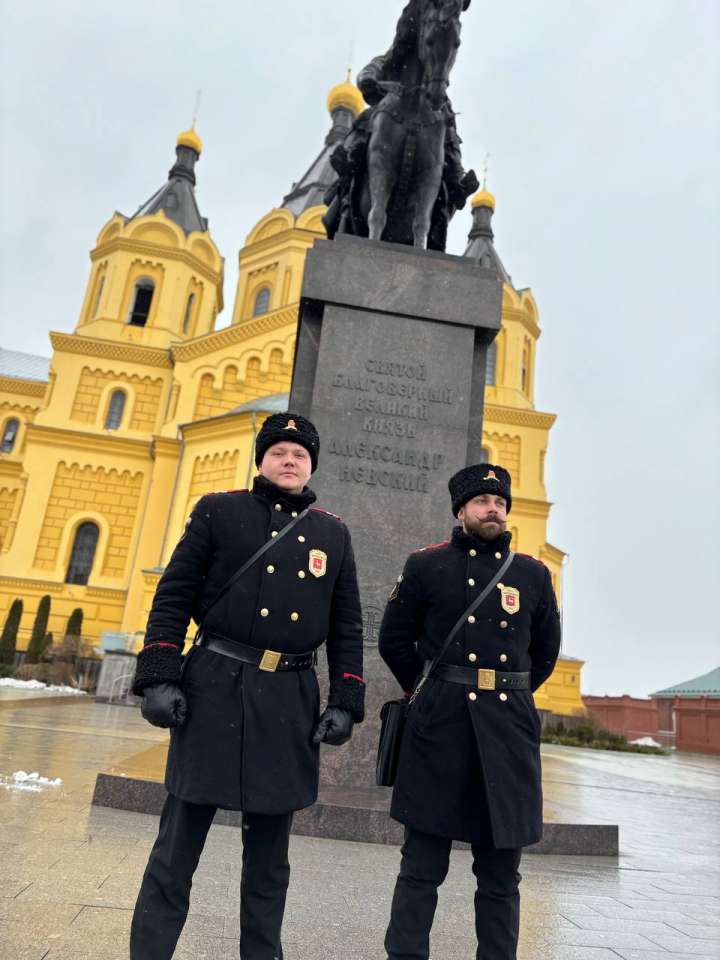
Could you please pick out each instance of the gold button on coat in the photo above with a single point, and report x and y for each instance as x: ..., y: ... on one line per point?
x: 264, y: 612
x: 503, y: 697
x: 503, y: 624
x: 271, y: 569
x: 294, y: 513
x: 503, y: 658
x: 498, y: 556
x: 294, y: 616
x: 472, y: 657
x: 278, y: 506
x: 471, y: 619
x: 473, y: 696
x: 473, y: 552
x: 301, y: 538
x: 274, y: 533
x: 301, y: 574
x: 471, y: 582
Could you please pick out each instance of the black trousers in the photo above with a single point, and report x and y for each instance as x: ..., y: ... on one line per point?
x: 162, y: 905
x: 424, y: 866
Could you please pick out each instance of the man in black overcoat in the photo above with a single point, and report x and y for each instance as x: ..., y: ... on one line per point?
x: 469, y: 765
x: 243, y: 706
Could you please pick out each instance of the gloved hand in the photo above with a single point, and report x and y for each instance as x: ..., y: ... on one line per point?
x: 164, y: 705
x: 335, y: 726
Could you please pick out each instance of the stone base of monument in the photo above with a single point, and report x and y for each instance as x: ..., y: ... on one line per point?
x: 341, y: 813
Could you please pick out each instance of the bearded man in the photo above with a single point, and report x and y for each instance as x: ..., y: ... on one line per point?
x: 469, y: 767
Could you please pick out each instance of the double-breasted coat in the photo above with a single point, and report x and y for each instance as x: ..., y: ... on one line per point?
x: 247, y: 742
x: 469, y: 765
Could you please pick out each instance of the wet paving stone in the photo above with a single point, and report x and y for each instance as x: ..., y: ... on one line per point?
x: 71, y: 872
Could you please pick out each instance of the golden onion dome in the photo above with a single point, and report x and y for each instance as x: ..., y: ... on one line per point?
x: 483, y: 198
x: 190, y: 139
x: 346, y: 95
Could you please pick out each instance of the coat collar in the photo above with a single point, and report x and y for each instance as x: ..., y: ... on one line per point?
x: 464, y: 541
x: 272, y: 494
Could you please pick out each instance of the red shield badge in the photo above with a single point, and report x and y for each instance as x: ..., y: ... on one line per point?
x: 509, y: 598
x: 318, y: 563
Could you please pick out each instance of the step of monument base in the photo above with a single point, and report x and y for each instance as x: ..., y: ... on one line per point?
x: 355, y: 814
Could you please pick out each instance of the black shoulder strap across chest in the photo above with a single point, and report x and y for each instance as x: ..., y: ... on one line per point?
x: 461, y: 622
x: 253, y: 559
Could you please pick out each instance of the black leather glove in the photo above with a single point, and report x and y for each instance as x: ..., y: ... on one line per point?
x: 164, y: 705
x: 335, y: 726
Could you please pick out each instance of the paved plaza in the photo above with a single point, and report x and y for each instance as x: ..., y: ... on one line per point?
x: 70, y: 872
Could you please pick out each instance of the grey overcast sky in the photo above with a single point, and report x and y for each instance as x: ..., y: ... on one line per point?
x: 601, y: 117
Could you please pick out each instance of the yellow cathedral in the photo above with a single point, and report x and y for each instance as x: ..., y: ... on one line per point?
x: 146, y: 406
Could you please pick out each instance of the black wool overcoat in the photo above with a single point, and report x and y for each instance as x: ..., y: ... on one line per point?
x: 247, y: 742
x: 470, y: 760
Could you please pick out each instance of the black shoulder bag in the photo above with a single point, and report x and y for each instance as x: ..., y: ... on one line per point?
x: 246, y: 566
x: 393, y: 714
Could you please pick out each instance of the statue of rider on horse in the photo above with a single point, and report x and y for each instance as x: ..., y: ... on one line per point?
x: 400, y: 173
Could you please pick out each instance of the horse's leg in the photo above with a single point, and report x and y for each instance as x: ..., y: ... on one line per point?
x: 383, y: 158
x: 426, y: 188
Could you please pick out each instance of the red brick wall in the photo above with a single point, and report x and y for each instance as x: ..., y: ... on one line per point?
x: 630, y: 716
x: 698, y: 725
x: 692, y: 725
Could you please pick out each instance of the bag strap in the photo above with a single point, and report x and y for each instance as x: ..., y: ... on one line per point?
x: 460, y: 623
x: 253, y: 559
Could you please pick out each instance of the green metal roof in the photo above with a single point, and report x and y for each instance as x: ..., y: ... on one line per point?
x: 708, y: 685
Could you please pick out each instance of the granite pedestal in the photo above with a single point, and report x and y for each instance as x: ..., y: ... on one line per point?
x: 390, y: 366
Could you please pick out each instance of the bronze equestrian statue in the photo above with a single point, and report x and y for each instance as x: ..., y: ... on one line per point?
x: 400, y: 173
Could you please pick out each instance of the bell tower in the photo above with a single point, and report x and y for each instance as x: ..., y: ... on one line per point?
x: 156, y: 277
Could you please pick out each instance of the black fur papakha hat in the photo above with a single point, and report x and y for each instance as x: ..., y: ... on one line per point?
x: 479, y: 478
x: 287, y: 428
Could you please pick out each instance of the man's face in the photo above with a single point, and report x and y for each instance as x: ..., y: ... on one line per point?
x: 484, y: 516
x: 287, y: 465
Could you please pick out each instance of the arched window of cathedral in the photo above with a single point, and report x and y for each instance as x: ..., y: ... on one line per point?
x: 9, y: 436
x: 98, y: 294
x: 491, y: 364
x: 142, y: 300
x: 526, y: 366
x: 115, y: 410
x: 188, y: 313
x: 262, y: 302
x: 83, y: 553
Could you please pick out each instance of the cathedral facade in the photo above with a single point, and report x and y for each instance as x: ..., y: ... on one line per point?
x: 146, y: 406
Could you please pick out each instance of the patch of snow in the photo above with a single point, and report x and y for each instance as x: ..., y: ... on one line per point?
x: 14, y: 684
x: 646, y: 742
x: 27, y: 782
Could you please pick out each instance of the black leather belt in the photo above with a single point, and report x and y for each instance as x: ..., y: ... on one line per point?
x: 270, y: 661
x: 483, y: 679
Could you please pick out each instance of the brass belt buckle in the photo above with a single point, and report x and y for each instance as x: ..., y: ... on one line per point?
x: 269, y: 661
x: 486, y: 679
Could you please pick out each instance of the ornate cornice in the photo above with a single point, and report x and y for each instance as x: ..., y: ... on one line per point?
x: 221, y: 425
x: 530, y: 508
x: 517, y: 314
x: 518, y: 418
x: 237, y: 333
x: 96, y: 443
x: 11, y: 469
x: 111, y: 350
x: 29, y: 388
x: 56, y: 586
x: 291, y: 236
x: 165, y: 446
x: 158, y: 252
x: 553, y: 552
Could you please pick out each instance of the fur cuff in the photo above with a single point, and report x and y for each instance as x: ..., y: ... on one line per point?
x: 349, y: 694
x: 157, y: 663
